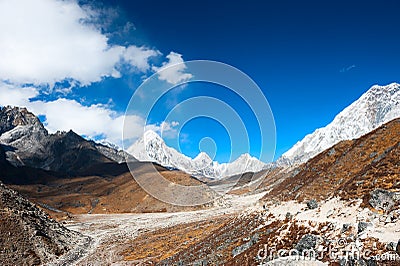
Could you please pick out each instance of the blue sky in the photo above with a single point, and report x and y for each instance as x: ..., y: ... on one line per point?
x: 310, y: 58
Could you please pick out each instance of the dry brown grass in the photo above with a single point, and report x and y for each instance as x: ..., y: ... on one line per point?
x: 350, y: 169
x: 164, y: 243
x: 102, y: 194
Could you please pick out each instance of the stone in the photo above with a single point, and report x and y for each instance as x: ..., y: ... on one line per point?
x: 346, y: 227
x: 391, y: 246
x: 307, y: 242
x: 356, y: 262
x: 382, y: 199
x: 362, y: 227
x: 240, y: 249
x: 32, y: 234
x: 312, y: 204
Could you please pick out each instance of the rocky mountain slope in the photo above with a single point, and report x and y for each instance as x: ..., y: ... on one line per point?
x: 151, y: 147
x: 378, y: 105
x: 351, y: 169
x: 29, y: 236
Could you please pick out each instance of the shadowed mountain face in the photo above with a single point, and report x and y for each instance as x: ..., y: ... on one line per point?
x: 349, y: 169
x: 24, y: 175
x: 3, y: 160
x: 27, y: 143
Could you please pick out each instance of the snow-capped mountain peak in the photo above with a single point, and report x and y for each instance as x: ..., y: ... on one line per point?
x: 150, y: 135
x: 378, y: 105
x: 245, y: 157
x: 151, y: 147
x: 203, y: 158
x: 244, y: 163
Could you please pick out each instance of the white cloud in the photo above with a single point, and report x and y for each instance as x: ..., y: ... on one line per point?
x: 138, y: 57
x: 64, y: 114
x: 165, y: 129
x: 45, y: 41
x: 173, y: 71
x: 94, y: 121
x: 184, y: 138
x: 10, y: 95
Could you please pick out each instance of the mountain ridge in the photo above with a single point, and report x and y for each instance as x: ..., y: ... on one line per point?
x: 378, y: 105
x: 151, y: 147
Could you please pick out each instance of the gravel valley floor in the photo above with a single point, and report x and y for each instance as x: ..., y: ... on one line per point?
x: 125, y: 239
x: 111, y: 233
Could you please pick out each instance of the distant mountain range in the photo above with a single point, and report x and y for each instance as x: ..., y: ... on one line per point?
x: 26, y: 142
x: 379, y: 105
x: 375, y: 107
x: 151, y: 147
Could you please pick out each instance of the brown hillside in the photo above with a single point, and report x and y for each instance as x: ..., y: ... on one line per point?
x: 350, y: 169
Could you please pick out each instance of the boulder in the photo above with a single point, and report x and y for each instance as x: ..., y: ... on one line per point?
x: 307, y: 242
x: 382, y: 199
x: 312, y: 204
x: 362, y: 227
x: 391, y: 246
x: 346, y: 227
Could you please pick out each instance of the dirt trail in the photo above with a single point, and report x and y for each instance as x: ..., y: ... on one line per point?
x: 110, y: 233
